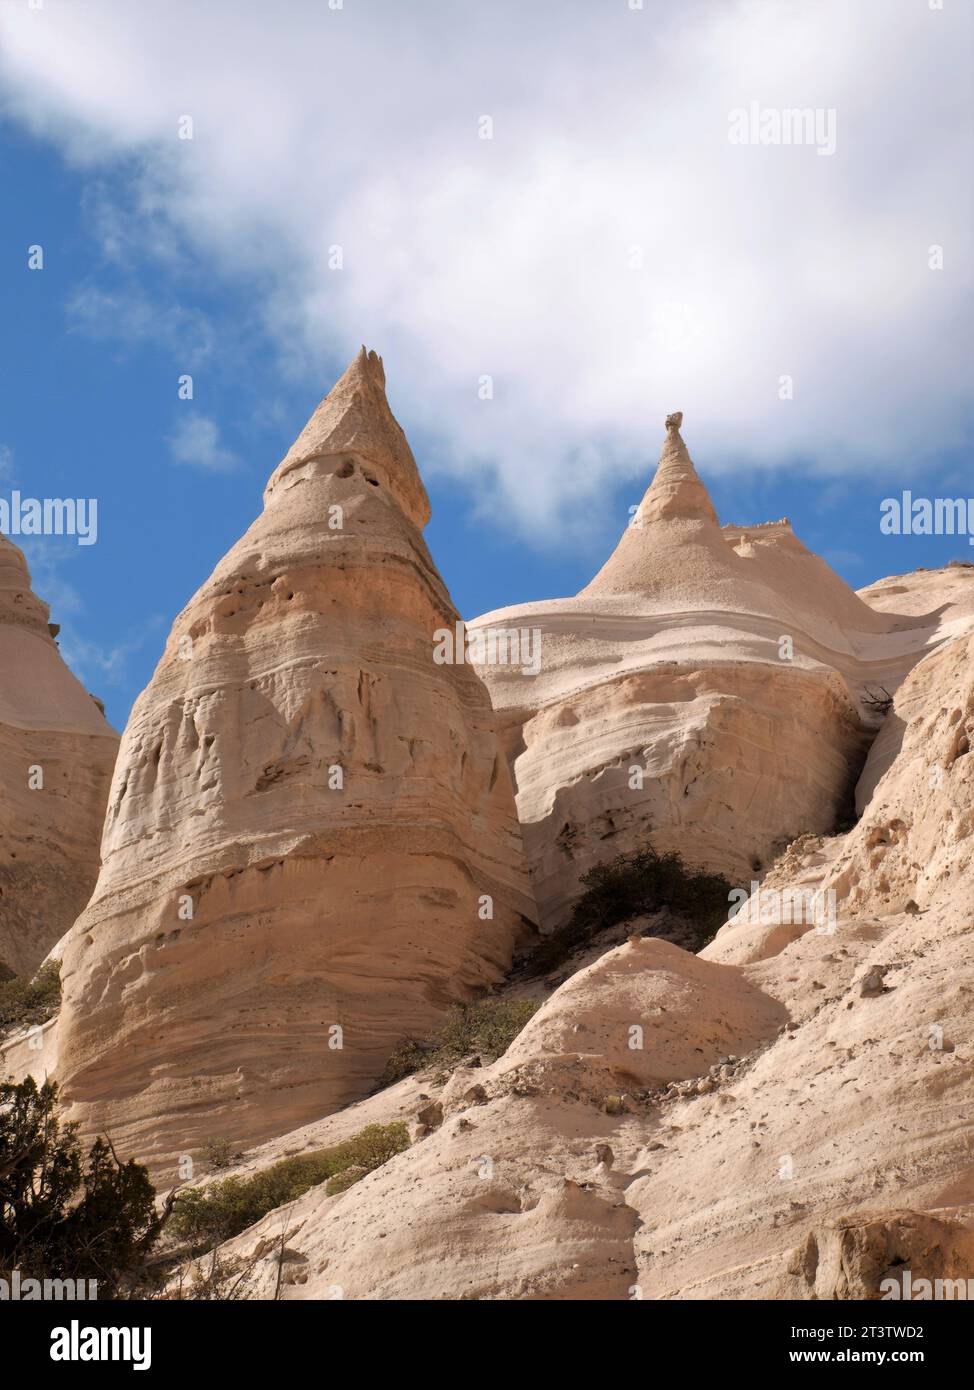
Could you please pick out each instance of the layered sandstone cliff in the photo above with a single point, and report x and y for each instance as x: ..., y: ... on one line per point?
x: 56, y: 757
x: 311, y: 845
x: 311, y: 848
x: 785, y: 1116
x: 704, y: 692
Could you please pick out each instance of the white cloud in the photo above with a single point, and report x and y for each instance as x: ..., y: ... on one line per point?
x: 94, y: 663
x: 511, y: 257
x: 196, y: 442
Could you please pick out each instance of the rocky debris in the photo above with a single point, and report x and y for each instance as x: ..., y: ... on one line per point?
x: 724, y: 1070
x: 431, y: 1115
x: 873, y: 982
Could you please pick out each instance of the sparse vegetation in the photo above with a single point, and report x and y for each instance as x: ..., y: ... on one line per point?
x: 205, y: 1216
x: 63, y: 1215
x: 221, y: 1153
x: 218, y: 1280
x: 635, y: 885
x: 486, y: 1028
x: 341, y: 1182
x: 24, y: 1002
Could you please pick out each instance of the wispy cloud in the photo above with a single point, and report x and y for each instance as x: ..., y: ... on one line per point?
x: 95, y: 664
x: 47, y: 557
x: 195, y: 442
x: 130, y: 316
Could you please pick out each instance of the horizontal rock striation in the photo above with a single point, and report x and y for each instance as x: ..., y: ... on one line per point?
x: 311, y: 845
x: 704, y: 691
x: 781, y: 1117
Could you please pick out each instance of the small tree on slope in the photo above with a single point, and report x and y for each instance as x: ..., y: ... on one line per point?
x: 63, y: 1215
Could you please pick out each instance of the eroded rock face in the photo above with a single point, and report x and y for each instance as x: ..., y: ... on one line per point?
x: 818, y: 1137
x: 887, y: 1257
x: 704, y: 691
x: 56, y: 757
x: 787, y: 1115
x: 913, y: 848
x: 311, y: 845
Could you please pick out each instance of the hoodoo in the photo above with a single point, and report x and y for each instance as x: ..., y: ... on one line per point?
x: 56, y: 757
x: 311, y: 846
x: 701, y: 693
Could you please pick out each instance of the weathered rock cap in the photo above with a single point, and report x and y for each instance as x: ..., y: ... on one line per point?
x: 354, y: 424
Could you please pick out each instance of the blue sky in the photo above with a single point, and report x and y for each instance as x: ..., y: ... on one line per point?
x: 161, y: 260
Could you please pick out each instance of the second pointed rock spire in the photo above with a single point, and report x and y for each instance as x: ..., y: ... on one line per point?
x: 676, y: 492
x: 675, y: 513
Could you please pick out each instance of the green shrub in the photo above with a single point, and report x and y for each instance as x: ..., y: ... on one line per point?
x: 23, y: 1002
x: 487, y: 1027
x: 204, y: 1216
x: 221, y: 1153
x: 634, y: 885
x: 341, y: 1182
x: 64, y: 1216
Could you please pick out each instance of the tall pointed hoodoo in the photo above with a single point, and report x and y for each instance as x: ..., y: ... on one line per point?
x: 311, y: 846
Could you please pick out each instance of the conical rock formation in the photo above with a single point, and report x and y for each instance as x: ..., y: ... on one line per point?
x: 703, y: 692
x: 311, y: 845
x: 675, y: 512
x: 56, y: 757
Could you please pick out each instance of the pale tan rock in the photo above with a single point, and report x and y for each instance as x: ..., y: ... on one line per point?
x: 30, y: 1051
x: 830, y: 1153
x: 704, y: 692
x: 52, y: 735
x: 249, y: 906
x: 776, y: 1131
x: 913, y: 843
x: 868, y: 1259
x: 644, y: 1014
